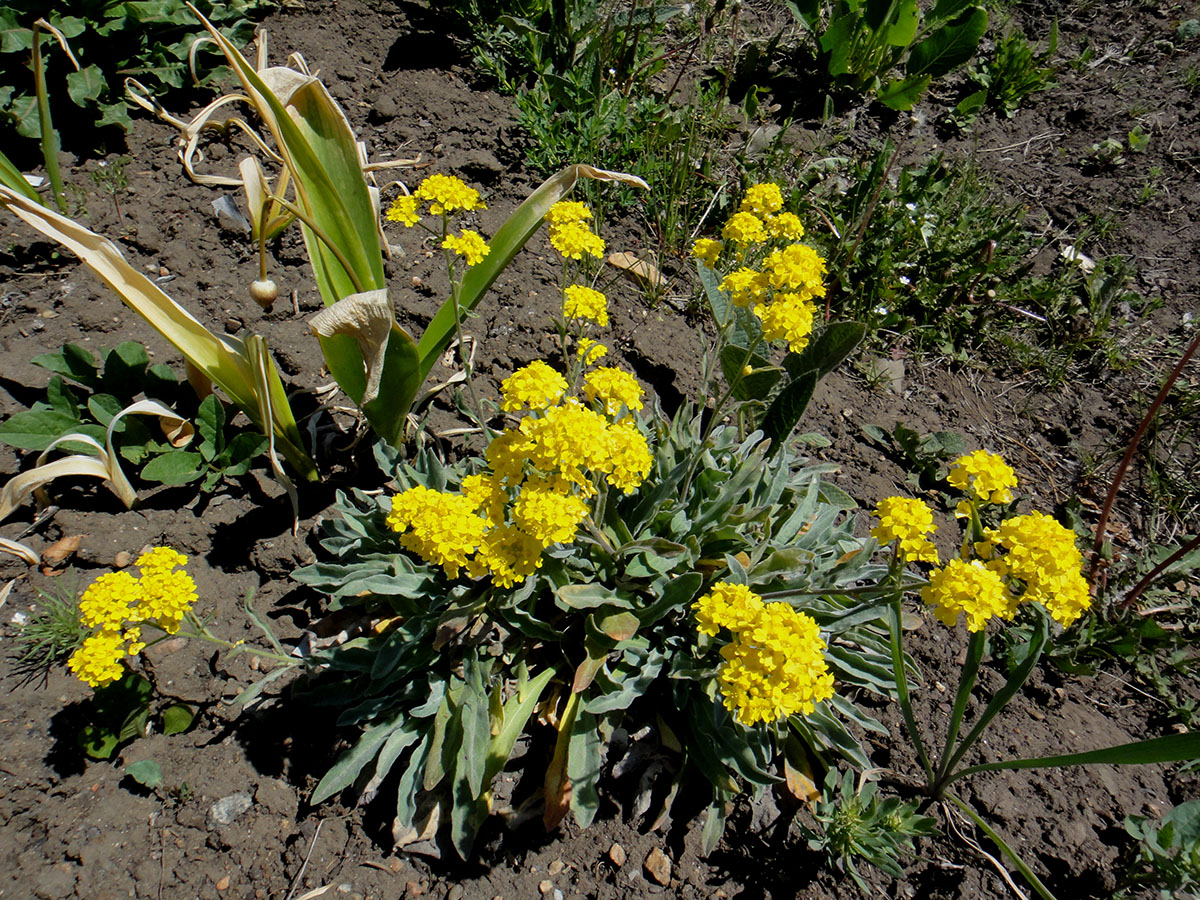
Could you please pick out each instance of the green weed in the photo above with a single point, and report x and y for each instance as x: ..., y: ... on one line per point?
x: 53, y: 630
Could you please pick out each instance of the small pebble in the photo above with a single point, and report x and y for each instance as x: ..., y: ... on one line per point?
x: 658, y: 867
x: 455, y: 893
x: 545, y: 887
x: 223, y: 884
x: 555, y: 867
x: 413, y: 889
x: 616, y: 853
x: 122, y: 559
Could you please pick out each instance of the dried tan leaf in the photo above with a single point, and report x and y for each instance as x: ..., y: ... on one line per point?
x: 58, y: 552
x: 640, y: 268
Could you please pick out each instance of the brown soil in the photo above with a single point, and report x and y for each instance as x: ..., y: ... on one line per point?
x: 80, y: 828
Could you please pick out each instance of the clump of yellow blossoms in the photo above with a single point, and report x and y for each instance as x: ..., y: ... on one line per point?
x: 536, y: 386
x: 908, y: 521
x: 1025, y: 559
x: 789, y: 277
x: 469, y: 244
x: 582, y: 302
x: 117, y: 604
x: 540, y: 478
x: 569, y: 231
x: 983, y: 475
x: 775, y: 665
x: 445, y: 194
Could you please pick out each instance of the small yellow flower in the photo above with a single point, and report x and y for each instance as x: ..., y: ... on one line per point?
x: 762, y: 199
x: 707, y: 251
x: 745, y: 286
x: 536, y: 386
x: 442, y: 528
x: 446, y: 194
x: 1042, y: 553
x: 548, y: 512
x: 797, y: 268
x: 581, y: 302
x: 630, y: 457
x: 574, y: 239
x: 788, y: 317
x: 508, y: 554
x: 565, y: 211
x: 470, y: 245
x: 908, y: 521
x: 615, y: 389
x: 971, y: 588
x: 404, y: 209
x: 98, y: 661
x: 744, y: 228
x: 590, y: 351
x: 985, y: 475
x: 785, y: 226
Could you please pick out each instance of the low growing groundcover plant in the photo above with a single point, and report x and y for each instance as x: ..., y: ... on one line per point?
x: 604, y: 568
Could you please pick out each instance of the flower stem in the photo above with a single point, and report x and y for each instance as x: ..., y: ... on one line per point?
x: 895, y: 627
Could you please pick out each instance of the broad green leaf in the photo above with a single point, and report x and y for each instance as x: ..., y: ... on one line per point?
x: 677, y: 594
x: 756, y: 384
x: 98, y: 741
x: 591, y: 595
x: 949, y: 47
x: 177, y: 718
x: 827, y: 351
x: 104, y: 408
x: 175, y: 467
x: 583, y: 768
x: 74, y: 362
x: 145, y: 772
x: 787, y: 408
x: 476, y: 727
x: 903, y: 29
x: 36, y: 429
x: 947, y: 9
x: 85, y: 85
x: 210, y: 425
x: 903, y: 93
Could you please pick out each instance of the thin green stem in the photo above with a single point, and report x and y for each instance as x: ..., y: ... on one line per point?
x: 463, y: 356
x: 896, y: 630
x: 966, y: 683
x: 1026, y: 872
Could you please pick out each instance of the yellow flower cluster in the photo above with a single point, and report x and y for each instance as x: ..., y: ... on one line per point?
x: 908, y: 521
x: 536, y: 386
x: 582, y: 302
x: 615, y: 389
x: 590, y: 351
x: 445, y: 194
x: 1026, y: 559
x: 983, y: 475
x: 117, y: 604
x: 1042, y: 554
x: 774, y: 666
x: 781, y: 291
x: 444, y: 527
x: 789, y: 317
x: 539, y: 479
x: 569, y: 231
x: 708, y: 251
x: 469, y: 244
x: 971, y: 588
x: 745, y: 286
